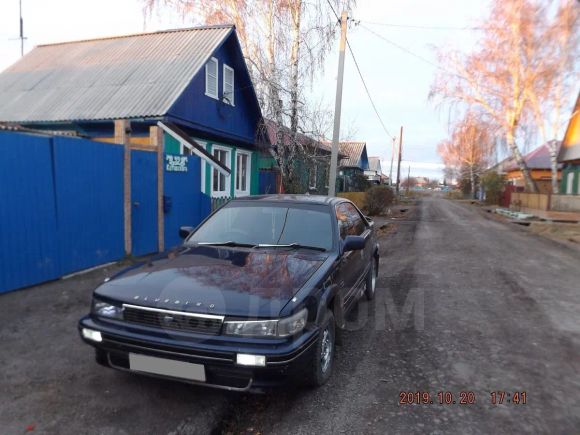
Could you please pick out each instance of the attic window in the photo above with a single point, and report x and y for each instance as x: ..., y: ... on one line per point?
x: 211, y: 78
x: 228, y: 85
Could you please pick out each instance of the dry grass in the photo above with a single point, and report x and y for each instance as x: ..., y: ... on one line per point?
x: 559, y: 231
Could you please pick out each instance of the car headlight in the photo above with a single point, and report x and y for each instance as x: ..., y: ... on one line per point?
x: 293, y: 324
x: 108, y: 310
x: 268, y: 328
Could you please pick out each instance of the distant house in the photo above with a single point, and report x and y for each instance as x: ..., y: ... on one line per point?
x: 351, y: 168
x: 421, y: 182
x: 194, y: 83
x: 539, y: 163
x: 312, y: 164
x: 375, y: 173
x: 569, y: 155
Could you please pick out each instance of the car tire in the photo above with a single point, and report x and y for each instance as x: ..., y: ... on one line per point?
x: 371, y: 283
x: 320, y: 368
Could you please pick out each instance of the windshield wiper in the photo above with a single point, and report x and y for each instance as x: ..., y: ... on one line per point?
x: 290, y: 245
x: 228, y: 243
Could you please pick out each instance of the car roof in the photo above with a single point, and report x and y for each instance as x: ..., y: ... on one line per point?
x: 297, y: 199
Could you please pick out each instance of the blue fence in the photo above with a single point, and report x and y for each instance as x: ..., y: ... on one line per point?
x: 185, y: 205
x: 61, y: 205
x: 61, y: 209
x: 267, y: 182
x: 144, y: 202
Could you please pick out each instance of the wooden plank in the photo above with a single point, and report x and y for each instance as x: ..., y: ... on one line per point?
x: 122, y: 136
x: 156, y: 139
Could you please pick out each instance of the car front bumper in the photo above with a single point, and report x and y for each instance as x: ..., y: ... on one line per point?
x: 286, y: 360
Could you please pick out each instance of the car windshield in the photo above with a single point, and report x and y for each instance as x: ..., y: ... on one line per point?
x: 267, y: 225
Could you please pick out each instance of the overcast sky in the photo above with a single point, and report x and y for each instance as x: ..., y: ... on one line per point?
x: 398, y: 81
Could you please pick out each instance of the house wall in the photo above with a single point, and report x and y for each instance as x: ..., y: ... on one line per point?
x: 172, y: 146
x: 542, y: 178
x: 566, y: 203
x: 344, y: 181
x: 303, y: 170
x: 573, y: 169
x: 214, y: 118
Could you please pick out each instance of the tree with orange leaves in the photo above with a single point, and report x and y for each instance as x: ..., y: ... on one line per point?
x: 469, y: 149
x: 508, y: 76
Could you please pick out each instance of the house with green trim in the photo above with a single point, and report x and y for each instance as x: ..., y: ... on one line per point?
x: 311, y: 162
x: 569, y: 155
x: 352, y: 167
x: 192, y: 83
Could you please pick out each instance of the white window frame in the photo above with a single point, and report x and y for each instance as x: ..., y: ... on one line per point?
x: 203, y: 163
x: 237, y: 174
x: 183, y: 147
x: 217, y: 78
x: 229, y: 68
x: 313, y: 170
x: 227, y: 192
x: 570, y: 183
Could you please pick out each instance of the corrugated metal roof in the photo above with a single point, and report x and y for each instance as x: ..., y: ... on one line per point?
x: 538, y: 158
x: 375, y: 164
x: 130, y: 76
x: 353, y: 151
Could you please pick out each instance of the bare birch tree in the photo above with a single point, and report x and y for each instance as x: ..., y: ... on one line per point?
x: 500, y: 76
x: 285, y: 43
x: 553, y: 91
x: 469, y: 148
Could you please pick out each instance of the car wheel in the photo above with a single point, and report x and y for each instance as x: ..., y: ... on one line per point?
x: 371, y: 284
x: 320, y: 368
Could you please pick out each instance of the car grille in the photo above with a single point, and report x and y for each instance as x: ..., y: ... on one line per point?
x: 175, y: 320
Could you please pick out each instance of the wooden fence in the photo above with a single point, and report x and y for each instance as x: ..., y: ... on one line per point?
x: 521, y: 201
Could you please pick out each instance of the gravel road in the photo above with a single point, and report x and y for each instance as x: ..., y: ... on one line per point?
x: 465, y: 305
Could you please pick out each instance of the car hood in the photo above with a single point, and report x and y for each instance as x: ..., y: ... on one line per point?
x: 216, y: 280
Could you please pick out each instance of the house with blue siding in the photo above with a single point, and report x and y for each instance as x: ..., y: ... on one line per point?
x: 352, y: 167
x: 193, y: 83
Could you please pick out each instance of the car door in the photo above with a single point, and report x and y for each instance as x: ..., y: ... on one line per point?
x: 351, y: 266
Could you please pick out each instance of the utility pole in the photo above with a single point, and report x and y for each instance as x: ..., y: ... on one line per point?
x: 392, y: 158
x: 21, y: 31
x: 399, y: 162
x: 337, y: 107
x: 21, y: 37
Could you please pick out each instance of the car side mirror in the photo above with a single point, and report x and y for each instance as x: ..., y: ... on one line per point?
x: 353, y: 243
x: 184, y: 232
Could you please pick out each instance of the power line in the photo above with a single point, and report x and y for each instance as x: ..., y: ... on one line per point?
x: 333, y: 10
x: 426, y: 27
x: 406, y: 50
x: 367, y: 89
x: 420, y: 27
x: 361, y: 75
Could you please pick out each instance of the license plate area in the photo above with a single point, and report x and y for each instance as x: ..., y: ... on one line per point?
x: 167, y: 367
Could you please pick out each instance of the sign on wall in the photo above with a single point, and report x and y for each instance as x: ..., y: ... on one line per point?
x: 176, y: 163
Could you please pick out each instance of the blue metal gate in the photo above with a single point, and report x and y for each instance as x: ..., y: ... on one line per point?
x: 184, y: 203
x: 61, y: 207
x: 89, y: 202
x: 267, y: 182
x: 143, y: 202
x: 28, y: 249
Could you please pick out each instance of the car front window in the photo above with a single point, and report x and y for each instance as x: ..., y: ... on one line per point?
x: 267, y: 224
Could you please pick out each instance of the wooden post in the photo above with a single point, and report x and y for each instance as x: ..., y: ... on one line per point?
x: 123, y: 136
x: 156, y: 139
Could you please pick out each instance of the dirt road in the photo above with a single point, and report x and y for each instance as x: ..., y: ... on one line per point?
x: 465, y: 305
